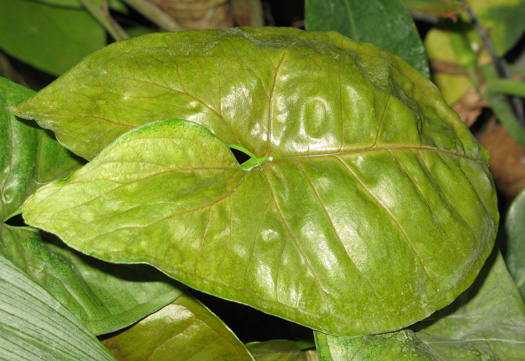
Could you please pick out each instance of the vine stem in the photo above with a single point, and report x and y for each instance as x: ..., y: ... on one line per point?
x: 105, y: 20
x: 155, y: 14
x: 505, y: 86
x: 500, y: 64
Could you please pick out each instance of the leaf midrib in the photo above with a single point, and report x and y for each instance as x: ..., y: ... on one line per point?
x: 373, y: 148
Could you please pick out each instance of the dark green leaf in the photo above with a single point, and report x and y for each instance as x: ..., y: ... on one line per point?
x: 487, y: 322
x: 104, y: 297
x: 184, y: 330
x: 281, y: 350
x: 402, y: 345
x: 445, y: 8
x: 29, y: 157
x: 49, y: 38
x: 35, y: 326
x: 385, y: 23
x: 515, y: 247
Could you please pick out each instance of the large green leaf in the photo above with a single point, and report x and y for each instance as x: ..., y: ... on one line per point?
x: 385, y: 23
x: 402, y: 345
x: 366, y: 206
x: 35, y: 326
x: 172, y: 195
x: 49, y: 38
x: 515, y: 247
x: 104, y: 297
x: 184, y: 330
x: 487, y: 322
x: 29, y: 157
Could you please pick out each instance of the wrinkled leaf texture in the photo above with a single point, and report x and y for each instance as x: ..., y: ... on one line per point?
x: 401, y: 345
x: 368, y: 204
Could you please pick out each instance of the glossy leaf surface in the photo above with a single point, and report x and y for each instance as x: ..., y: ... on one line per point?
x: 486, y: 322
x: 172, y: 195
x: 319, y: 226
x: 402, y: 345
x: 104, y: 297
x: 35, y: 326
x: 515, y: 246
x: 280, y: 350
x: 385, y: 23
x: 184, y: 330
x: 29, y: 157
x: 50, y: 38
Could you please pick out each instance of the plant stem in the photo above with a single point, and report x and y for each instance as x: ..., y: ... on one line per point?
x: 155, y: 14
x: 505, y: 86
x: 494, y: 94
x: 501, y: 66
x: 112, y: 27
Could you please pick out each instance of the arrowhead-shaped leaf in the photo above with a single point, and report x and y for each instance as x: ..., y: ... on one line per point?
x: 366, y: 204
x: 316, y: 239
x: 182, y: 331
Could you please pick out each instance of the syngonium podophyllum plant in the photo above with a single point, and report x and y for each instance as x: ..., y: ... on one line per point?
x: 365, y: 204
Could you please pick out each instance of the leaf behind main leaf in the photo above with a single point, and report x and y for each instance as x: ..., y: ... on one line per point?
x: 104, y: 297
x: 29, y: 157
x: 189, y: 332
x: 33, y: 325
